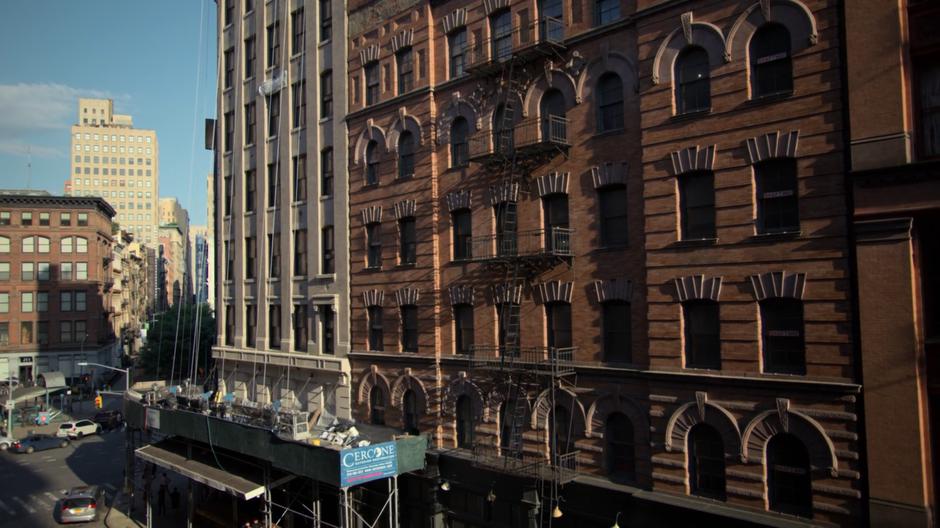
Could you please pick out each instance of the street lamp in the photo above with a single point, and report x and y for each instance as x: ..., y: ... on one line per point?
x: 127, y: 372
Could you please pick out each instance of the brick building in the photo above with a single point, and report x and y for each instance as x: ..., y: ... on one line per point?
x: 55, y: 282
x: 645, y: 203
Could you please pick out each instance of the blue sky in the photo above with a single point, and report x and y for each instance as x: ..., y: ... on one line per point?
x: 144, y: 54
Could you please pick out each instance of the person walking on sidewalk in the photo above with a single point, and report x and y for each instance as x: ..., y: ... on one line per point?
x: 161, y: 500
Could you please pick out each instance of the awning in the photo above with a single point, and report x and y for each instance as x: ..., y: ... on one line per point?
x: 210, y: 476
x: 52, y: 380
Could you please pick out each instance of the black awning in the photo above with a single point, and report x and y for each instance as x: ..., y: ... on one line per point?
x: 237, y: 485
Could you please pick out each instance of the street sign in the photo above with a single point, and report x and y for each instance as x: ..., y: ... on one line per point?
x: 365, y: 464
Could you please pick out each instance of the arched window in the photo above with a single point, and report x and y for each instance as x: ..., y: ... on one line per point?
x: 702, y: 325
x: 552, y: 113
x: 81, y: 245
x: 771, y: 63
x: 43, y: 244
x: 620, y: 457
x: 406, y: 155
x: 372, y: 163
x: 789, y: 482
x: 66, y: 245
x: 609, y: 102
x: 464, y: 422
x: 377, y: 406
x: 693, y: 87
x: 4, y: 244
x: 409, y: 404
x: 459, y: 130
x: 29, y: 244
x: 561, y: 433
x: 706, y: 455
x: 502, y: 129
x: 782, y: 329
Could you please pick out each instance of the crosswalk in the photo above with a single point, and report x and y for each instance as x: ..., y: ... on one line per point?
x: 35, y: 502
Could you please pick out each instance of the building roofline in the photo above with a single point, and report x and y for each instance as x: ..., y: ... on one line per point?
x: 60, y: 201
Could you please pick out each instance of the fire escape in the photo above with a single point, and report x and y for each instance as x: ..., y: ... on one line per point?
x: 509, y: 150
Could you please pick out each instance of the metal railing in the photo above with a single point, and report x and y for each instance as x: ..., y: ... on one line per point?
x: 563, y: 467
x: 520, y: 39
x: 551, y: 130
x: 557, y: 361
x: 535, y: 243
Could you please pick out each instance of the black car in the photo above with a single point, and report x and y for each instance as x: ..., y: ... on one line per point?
x: 108, y: 419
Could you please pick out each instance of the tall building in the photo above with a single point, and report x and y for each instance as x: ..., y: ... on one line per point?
x: 174, y: 237
x: 55, y: 285
x: 112, y: 159
x: 893, y: 68
x: 281, y: 300
x: 199, y: 270
x: 210, y: 241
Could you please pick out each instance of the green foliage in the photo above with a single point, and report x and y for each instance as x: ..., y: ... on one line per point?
x: 156, y: 357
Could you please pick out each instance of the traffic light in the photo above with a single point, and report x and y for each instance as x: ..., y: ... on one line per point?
x: 99, y: 402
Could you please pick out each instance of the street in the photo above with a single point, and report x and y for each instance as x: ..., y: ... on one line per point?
x: 30, y: 485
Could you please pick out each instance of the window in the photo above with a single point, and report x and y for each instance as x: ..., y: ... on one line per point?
x: 80, y: 334
x: 299, y: 97
x: 274, y: 189
x: 326, y: 172
x: 81, y: 245
x: 555, y: 212
x: 42, y: 302
x: 44, y: 271
x: 326, y: 20
x: 409, y: 328
x: 4, y: 302
x: 372, y: 83
x: 789, y: 482
x: 464, y: 422
x: 613, y: 210
x: 507, y: 315
x: 693, y: 87
x: 299, y: 31
x: 697, y: 200
x: 4, y: 218
x: 406, y: 155
x: 404, y: 62
x: 558, y: 318
x: 251, y: 324
x: 4, y: 271
x: 552, y: 113
x: 274, y: 255
x: 771, y: 63
x: 609, y: 102
x: 782, y: 329
x: 328, y: 321
x: 619, y: 449
x: 228, y: 192
x: 407, y: 253
x: 229, y: 119
x: 372, y: 163
x: 300, y: 327
x: 326, y: 94
x: 328, y: 265
x: 927, y: 77
x: 274, y: 113
x: 409, y: 417
x: 44, y: 244
x: 606, y: 11
x: 229, y: 11
x: 65, y: 301
x: 26, y: 332
x: 457, y: 48
x: 374, y: 243
x: 4, y: 244
x: 250, y: 56
x: 65, y: 219
x: 65, y: 332
x: 376, y: 338
x: 300, y: 177
x: 4, y: 333
x: 503, y: 139
x: 463, y: 234
x: 250, y: 257
x: 81, y: 271
x: 249, y: 7
x: 300, y: 252
x: 376, y: 406
x: 42, y: 332
x: 777, y: 203
x: 251, y: 187
x: 83, y: 219
x: 505, y: 228
x: 463, y: 328
x: 617, y: 334
x: 27, y: 271
x: 706, y: 452
x: 229, y: 59
x: 29, y: 244
x: 250, y: 117
x: 274, y: 44
x: 702, y: 325
x: 552, y: 20
x: 26, y: 302
x: 26, y: 219
x: 274, y: 327
x: 501, y: 31
x: 459, y: 149
x: 65, y: 271
x: 561, y: 441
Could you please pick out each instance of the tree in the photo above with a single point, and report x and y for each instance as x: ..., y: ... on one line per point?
x: 170, y: 343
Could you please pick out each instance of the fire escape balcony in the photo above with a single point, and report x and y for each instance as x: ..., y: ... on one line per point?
x: 536, y: 245
x: 553, y: 361
x: 522, y: 41
x: 563, y: 467
x: 530, y: 138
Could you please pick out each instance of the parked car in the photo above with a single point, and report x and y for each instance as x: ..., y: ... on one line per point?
x: 78, y: 429
x: 108, y: 419
x: 38, y: 442
x: 81, y: 504
x: 6, y: 442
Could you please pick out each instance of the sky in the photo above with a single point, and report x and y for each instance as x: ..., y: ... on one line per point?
x: 149, y: 56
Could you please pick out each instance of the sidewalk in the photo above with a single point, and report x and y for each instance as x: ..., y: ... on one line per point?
x: 121, y: 516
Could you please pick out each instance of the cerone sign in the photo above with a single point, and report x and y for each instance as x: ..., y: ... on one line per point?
x: 363, y: 464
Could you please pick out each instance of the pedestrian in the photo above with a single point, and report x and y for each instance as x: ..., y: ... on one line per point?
x: 161, y: 500
x: 175, y: 498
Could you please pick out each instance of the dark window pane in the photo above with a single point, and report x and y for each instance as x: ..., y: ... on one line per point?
x: 501, y: 31
x: 789, y: 482
x: 374, y: 241
x: 459, y: 130
x: 609, y: 103
x: 457, y: 47
x: 508, y: 319
x: 559, y: 324
x: 693, y: 90
x: 372, y: 83
x: 409, y: 328
x: 404, y: 60
x: 375, y: 328
x: 377, y: 406
x: 372, y: 163
x: 552, y: 114
x: 777, y: 202
x: 771, y: 64
x: 408, y: 253
x: 462, y: 233
x: 928, y: 80
x: 555, y: 207
x: 620, y: 451
x: 606, y: 11
x: 697, y: 196
x: 782, y: 329
x: 406, y: 155
x: 613, y: 202
x: 464, y: 422
x: 463, y: 327
x: 706, y: 462
x: 702, y: 334
x: 617, y: 335
x: 410, y: 412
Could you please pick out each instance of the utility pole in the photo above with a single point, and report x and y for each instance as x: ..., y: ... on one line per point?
x: 11, y: 404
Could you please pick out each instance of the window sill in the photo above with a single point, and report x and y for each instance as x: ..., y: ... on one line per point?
x: 297, y: 129
x: 780, y: 235
x: 227, y: 90
x: 228, y: 282
x: 694, y: 114
x: 296, y: 56
x: 323, y: 43
x: 407, y: 177
x: 271, y: 139
x: 298, y: 278
x: 769, y: 98
x: 298, y: 203
x: 372, y: 268
x: 324, y: 120
x: 249, y: 213
x: 248, y: 13
x: 461, y: 261
x: 695, y: 242
x: 370, y: 185
x: 249, y: 145
x: 272, y: 280
x: 612, y: 132
x: 407, y: 265
x: 326, y: 197
x: 608, y: 249
x: 325, y: 276
x: 249, y: 281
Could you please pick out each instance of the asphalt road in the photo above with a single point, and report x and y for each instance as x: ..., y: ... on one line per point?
x: 30, y: 485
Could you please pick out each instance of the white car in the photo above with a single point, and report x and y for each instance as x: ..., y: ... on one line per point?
x: 78, y: 429
x: 6, y: 442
